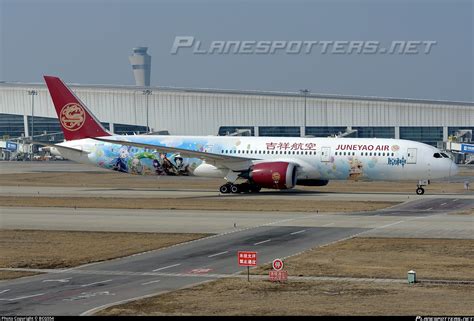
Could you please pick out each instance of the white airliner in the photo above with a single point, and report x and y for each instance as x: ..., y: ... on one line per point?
x: 246, y: 163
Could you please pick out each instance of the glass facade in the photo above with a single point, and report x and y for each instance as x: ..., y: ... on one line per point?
x: 427, y: 135
x: 466, y: 138
x: 48, y: 129
x: 279, y: 131
x: 226, y: 130
x: 124, y: 129
x: 375, y: 132
x: 11, y: 126
x: 106, y: 125
x: 324, y: 131
x: 453, y: 130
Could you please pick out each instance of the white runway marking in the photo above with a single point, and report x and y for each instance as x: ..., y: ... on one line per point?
x: 94, y: 283
x: 220, y: 253
x: 302, y: 231
x: 22, y: 297
x: 429, y: 209
x: 3, y: 291
x: 167, y: 267
x: 455, y: 200
x: 390, y: 224
x: 150, y: 282
x: 258, y: 243
x: 58, y: 280
x: 443, y: 204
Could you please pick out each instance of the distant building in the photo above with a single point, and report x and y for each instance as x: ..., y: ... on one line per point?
x: 141, y: 66
x: 184, y: 111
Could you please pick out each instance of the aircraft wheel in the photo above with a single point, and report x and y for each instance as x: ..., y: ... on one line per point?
x: 255, y: 189
x: 234, y: 189
x: 224, y: 189
x: 420, y: 191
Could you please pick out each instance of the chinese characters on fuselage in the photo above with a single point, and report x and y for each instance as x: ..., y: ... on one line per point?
x: 291, y: 146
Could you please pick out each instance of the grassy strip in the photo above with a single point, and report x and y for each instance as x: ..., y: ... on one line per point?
x: 225, y: 204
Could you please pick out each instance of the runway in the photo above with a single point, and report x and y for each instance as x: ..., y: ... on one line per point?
x: 216, y: 222
x: 78, y: 290
x: 272, y: 234
x: 290, y: 195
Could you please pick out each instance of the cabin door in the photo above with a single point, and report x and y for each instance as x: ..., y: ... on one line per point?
x: 325, y: 154
x: 411, y: 156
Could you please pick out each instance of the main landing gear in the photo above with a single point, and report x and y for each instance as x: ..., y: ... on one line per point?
x: 239, y: 188
x: 420, y: 190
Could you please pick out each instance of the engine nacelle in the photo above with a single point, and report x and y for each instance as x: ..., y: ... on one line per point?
x: 312, y: 182
x: 277, y: 175
x: 208, y: 170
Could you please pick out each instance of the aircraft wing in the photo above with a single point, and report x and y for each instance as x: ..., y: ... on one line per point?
x: 58, y: 147
x: 208, y: 157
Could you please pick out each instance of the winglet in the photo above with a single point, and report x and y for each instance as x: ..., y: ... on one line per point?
x: 76, y: 120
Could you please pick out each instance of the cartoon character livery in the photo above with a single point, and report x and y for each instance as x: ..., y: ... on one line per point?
x: 246, y: 163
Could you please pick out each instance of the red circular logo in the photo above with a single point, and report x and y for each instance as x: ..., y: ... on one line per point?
x: 277, y: 264
x: 72, y: 116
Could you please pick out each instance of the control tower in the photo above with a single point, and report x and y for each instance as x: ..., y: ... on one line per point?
x: 141, y: 66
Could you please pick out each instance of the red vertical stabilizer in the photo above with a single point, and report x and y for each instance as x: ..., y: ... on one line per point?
x: 76, y: 120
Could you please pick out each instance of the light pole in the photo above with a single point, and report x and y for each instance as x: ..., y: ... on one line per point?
x: 305, y: 92
x: 32, y: 93
x: 147, y: 93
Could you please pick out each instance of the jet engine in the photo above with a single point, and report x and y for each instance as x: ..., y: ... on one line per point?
x: 277, y: 175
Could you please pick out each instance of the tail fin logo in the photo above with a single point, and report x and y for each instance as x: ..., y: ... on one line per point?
x: 72, y: 116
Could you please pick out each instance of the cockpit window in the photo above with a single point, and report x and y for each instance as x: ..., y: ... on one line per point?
x: 444, y: 155
x: 437, y: 155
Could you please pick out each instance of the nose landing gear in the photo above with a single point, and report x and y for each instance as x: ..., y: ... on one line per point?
x: 420, y: 190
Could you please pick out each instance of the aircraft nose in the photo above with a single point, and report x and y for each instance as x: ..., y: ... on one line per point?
x: 454, y: 169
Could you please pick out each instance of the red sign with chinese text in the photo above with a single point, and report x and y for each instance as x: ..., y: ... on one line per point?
x: 247, y: 258
x: 278, y: 276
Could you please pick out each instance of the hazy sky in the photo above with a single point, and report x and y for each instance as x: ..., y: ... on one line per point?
x: 89, y: 42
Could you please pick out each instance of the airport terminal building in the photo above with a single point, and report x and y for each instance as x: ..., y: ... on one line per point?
x: 181, y: 111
